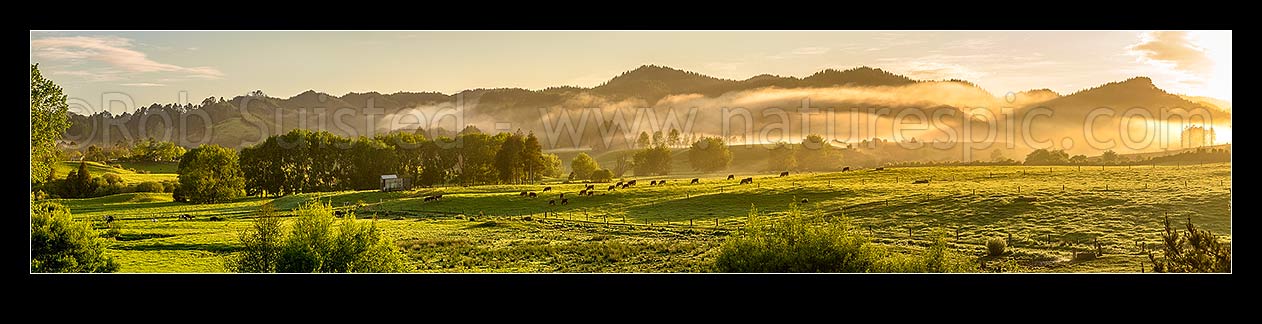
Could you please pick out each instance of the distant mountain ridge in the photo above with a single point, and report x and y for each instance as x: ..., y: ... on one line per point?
x: 244, y: 119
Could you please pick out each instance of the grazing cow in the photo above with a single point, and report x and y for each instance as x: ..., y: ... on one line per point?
x: 439, y: 196
x: 845, y: 169
x: 695, y: 181
x: 532, y: 195
x: 784, y: 174
x: 921, y: 181
x: 590, y: 192
x: 619, y: 183
x: 625, y: 185
x: 429, y: 198
x: 109, y: 219
x: 653, y: 183
x: 749, y: 180
x: 582, y: 192
x: 562, y: 195
x: 523, y: 194
x: 661, y: 182
x: 879, y: 169
x: 611, y: 187
x: 731, y: 176
x: 552, y: 202
x: 591, y: 187
x: 565, y: 201
x: 546, y: 189
x: 631, y: 183
x: 804, y: 200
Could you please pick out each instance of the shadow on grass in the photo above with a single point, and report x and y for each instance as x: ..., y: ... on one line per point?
x: 140, y: 236
x: 209, y: 247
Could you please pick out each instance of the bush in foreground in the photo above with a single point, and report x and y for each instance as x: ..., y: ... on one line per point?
x: 798, y: 244
x: 1197, y: 250
x: 60, y: 244
x: 317, y: 242
x: 996, y: 246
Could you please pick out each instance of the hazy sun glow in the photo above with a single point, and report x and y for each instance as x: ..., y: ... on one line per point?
x: 1217, y: 46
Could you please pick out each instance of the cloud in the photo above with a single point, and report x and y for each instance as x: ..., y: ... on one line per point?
x: 113, y: 51
x: 143, y: 84
x: 1173, y: 49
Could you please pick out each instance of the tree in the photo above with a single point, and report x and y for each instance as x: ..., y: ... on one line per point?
x: 48, y: 122
x: 997, y: 155
x: 1045, y: 157
x: 79, y: 183
x: 508, y: 160
x: 673, y: 139
x: 709, y: 154
x: 261, y: 244
x: 61, y: 244
x: 814, y: 153
x: 552, y: 166
x: 95, y: 153
x: 644, y: 141
x: 1196, y: 251
x: 658, y: 138
x: 602, y: 175
x: 1109, y: 157
x: 210, y: 174
x: 655, y: 160
x: 583, y: 166
x: 535, y: 163
x: 781, y: 157
x: 1078, y: 159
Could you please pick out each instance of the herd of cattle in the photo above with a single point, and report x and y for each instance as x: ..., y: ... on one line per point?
x: 590, y: 189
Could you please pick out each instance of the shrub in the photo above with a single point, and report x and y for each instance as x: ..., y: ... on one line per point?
x: 168, y: 186
x: 61, y: 244
x: 795, y: 245
x: 149, y: 186
x: 1195, y: 251
x: 317, y: 242
x: 996, y: 246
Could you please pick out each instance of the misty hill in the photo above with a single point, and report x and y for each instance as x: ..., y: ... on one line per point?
x: 245, y: 119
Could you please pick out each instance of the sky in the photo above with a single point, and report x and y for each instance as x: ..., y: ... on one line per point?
x: 159, y: 66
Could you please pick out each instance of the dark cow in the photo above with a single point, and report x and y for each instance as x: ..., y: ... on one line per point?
x: 879, y: 169
x: 619, y: 183
x: 562, y: 195
x: 109, y: 219
x: 845, y: 169
x: 695, y: 181
x: 546, y: 189
x: 749, y: 180
x: 186, y: 217
x: 920, y: 181
x: 805, y: 201
x: 590, y: 192
x: 653, y: 183
x: 626, y: 185
x: 661, y: 182
x: 532, y: 195
x: 552, y: 202
x: 565, y: 201
x: 632, y: 183
x: 731, y: 176
x: 591, y: 187
x: 611, y: 187
x: 582, y: 192
x: 523, y: 194
x: 430, y: 198
x: 784, y: 174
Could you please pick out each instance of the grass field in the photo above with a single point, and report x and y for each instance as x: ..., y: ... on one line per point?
x: 1049, y: 213
x: 157, y: 171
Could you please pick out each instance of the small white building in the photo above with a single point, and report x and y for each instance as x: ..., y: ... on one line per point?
x: 391, y: 182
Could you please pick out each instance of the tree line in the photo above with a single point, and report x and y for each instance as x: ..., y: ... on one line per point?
x: 306, y: 161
